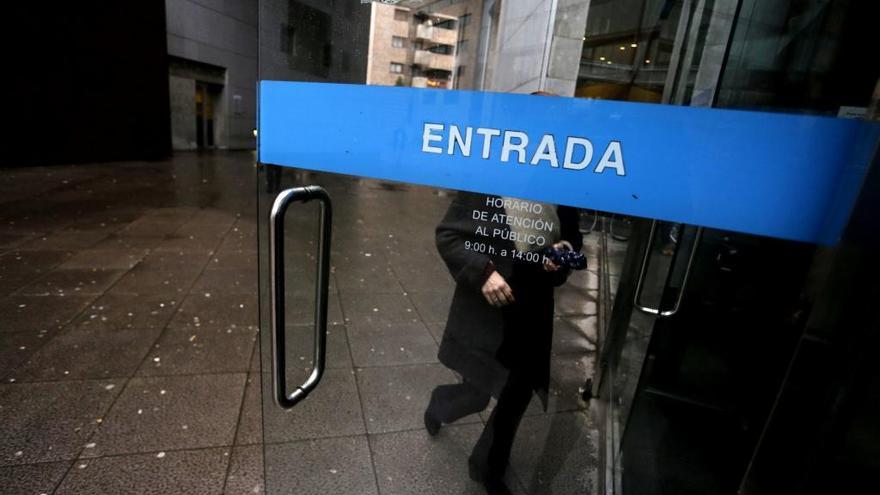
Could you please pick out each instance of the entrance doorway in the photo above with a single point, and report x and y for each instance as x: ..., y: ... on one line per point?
x: 665, y: 358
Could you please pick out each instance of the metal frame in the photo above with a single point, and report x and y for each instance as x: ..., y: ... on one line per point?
x: 276, y: 268
x: 658, y: 311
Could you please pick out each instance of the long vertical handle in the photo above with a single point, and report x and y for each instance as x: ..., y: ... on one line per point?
x: 644, y: 268
x: 276, y: 266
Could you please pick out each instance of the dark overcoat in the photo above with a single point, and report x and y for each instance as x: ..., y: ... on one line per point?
x: 483, y: 343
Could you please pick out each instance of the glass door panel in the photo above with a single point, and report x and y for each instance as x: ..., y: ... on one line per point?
x: 458, y: 360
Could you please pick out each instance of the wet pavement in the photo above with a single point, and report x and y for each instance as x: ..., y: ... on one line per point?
x: 129, y: 352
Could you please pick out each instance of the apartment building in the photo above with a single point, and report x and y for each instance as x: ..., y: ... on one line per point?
x: 411, y: 47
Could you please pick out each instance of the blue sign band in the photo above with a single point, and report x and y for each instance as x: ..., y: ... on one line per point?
x: 788, y: 176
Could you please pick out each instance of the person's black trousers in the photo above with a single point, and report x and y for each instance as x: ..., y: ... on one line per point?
x: 492, y: 451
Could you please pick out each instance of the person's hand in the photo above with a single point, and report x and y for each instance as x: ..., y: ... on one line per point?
x: 549, y: 265
x: 496, y: 291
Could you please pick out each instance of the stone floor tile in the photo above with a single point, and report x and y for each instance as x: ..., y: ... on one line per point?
x: 245, y: 471
x: 395, y: 398
x: 171, y: 412
x: 365, y: 307
x: 300, y: 309
x: 12, y: 280
x: 113, y: 311
x: 140, y: 280
x: 70, y: 281
x: 201, y: 350
x: 32, y: 478
x: 250, y: 422
x: 391, y: 344
x: 35, y: 261
x: 331, y: 465
x: 300, y: 343
x: 41, y: 422
x: 17, y: 347
x: 575, y: 302
x: 231, y: 261
x: 413, y: 462
x: 64, y: 240
x: 235, y: 281
x: 167, y: 261
x: 88, y: 353
x: 332, y: 410
x: 107, y: 259
x: 39, y: 313
x: 212, y: 309
x: 155, y: 473
x: 432, y: 306
x: 556, y: 454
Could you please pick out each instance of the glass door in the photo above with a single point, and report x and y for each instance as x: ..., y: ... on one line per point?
x: 461, y: 291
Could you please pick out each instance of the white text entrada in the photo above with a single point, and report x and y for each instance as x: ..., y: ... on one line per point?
x: 576, y: 155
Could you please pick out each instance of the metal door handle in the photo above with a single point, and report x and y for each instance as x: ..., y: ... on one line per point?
x: 659, y: 312
x: 276, y: 266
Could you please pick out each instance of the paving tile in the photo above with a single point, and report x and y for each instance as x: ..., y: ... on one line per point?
x: 201, y: 241
x: 556, y: 454
x: 575, y: 302
x: 201, y: 350
x: 390, y: 344
x: 413, y: 462
x: 583, y: 279
x: 437, y: 330
x: 171, y: 412
x: 39, y: 313
x: 377, y: 308
x: 300, y: 342
x: 225, y: 261
x: 12, y: 280
x: 332, y: 465
x: 17, y: 347
x: 157, y: 473
x: 395, y: 398
x: 32, y: 478
x: 300, y: 309
x: 140, y: 280
x: 41, y: 422
x: 332, y: 410
x: 108, y: 259
x: 36, y: 261
x: 245, y: 471
x: 124, y: 243
x: 88, y: 353
x: 250, y: 422
x: 62, y: 282
x: 370, y: 275
x: 235, y: 281
x: 165, y: 261
x: 432, y: 306
x: 113, y: 311
x: 64, y: 240
x: 211, y: 309
x: 427, y: 277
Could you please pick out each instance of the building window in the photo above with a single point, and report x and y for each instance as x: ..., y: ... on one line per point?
x: 417, y: 44
x: 445, y: 24
x: 401, y: 15
x: 397, y: 41
x: 462, y: 46
x: 441, y: 49
x: 396, y: 68
x: 464, y: 20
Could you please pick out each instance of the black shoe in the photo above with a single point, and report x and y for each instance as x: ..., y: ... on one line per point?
x: 431, y: 424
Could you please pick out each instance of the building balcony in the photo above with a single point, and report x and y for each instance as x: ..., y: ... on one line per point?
x: 436, y: 35
x: 429, y: 82
x: 434, y: 61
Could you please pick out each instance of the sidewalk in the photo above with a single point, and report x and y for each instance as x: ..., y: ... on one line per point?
x: 128, y: 341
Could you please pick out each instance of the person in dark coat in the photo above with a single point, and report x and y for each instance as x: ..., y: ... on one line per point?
x: 498, y: 334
